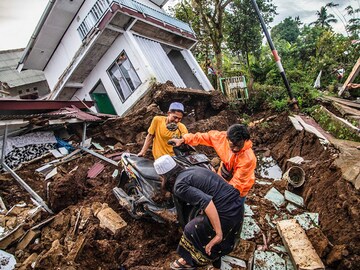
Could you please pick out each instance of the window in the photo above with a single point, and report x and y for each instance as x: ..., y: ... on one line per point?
x: 124, y: 76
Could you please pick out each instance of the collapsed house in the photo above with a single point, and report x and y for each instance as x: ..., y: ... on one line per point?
x: 111, y: 51
x: 29, y: 84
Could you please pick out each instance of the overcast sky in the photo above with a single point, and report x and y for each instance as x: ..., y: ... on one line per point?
x: 18, y: 18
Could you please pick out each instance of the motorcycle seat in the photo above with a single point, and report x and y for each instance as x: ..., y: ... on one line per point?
x: 144, y: 166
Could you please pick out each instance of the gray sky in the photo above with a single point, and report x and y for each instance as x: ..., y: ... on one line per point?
x: 18, y: 18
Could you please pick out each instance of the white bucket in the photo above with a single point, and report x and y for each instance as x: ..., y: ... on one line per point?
x: 295, y: 176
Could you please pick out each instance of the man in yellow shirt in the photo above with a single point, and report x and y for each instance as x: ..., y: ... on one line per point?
x: 164, y: 128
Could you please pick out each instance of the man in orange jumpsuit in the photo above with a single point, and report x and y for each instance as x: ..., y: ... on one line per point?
x: 238, y: 161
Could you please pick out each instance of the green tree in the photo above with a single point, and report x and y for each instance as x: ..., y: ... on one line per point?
x: 211, y: 14
x: 353, y: 26
x: 324, y: 18
x: 185, y: 12
x: 244, y: 29
x: 288, y: 30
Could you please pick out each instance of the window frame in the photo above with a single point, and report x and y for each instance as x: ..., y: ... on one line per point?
x: 123, y: 100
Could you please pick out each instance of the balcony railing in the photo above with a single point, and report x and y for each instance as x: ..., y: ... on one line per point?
x: 99, y: 9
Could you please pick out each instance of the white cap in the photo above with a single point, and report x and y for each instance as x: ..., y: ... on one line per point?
x: 164, y: 164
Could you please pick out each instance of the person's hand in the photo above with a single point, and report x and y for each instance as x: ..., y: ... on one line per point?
x: 176, y: 142
x: 216, y: 240
x: 140, y: 154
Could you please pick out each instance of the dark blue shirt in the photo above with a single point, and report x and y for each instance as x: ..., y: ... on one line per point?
x: 198, y: 186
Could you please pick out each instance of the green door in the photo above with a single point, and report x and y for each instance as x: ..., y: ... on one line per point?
x: 103, y: 103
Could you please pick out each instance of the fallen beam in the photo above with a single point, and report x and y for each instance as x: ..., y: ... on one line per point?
x: 299, y: 247
x: 355, y: 71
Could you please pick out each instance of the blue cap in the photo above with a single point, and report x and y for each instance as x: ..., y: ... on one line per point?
x: 176, y: 106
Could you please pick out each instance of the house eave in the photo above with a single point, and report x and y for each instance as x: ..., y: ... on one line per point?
x: 48, y: 33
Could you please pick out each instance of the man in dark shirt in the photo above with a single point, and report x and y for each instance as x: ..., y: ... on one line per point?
x: 207, y: 237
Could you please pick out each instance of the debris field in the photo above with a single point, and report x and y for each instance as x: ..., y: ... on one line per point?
x: 90, y: 230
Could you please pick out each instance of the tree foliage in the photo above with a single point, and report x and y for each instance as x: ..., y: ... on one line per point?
x: 324, y: 18
x: 288, y: 30
x: 244, y: 29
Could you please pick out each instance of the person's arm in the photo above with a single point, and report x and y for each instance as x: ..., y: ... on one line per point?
x: 148, y: 140
x: 213, y: 216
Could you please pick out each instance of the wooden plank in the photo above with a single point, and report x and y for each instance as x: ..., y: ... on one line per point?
x: 346, y: 110
x: 28, y: 238
x: 344, y: 101
x: 299, y: 247
x: 296, y: 123
x: 355, y: 71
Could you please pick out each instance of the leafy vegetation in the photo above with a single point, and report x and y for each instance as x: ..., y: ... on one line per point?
x: 231, y: 38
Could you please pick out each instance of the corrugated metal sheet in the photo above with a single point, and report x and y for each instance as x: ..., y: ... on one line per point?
x: 160, y: 62
x: 9, y: 74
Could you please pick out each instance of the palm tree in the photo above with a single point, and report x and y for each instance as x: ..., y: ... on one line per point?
x: 324, y: 19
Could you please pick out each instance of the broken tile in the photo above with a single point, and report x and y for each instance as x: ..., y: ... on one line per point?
x: 275, y: 197
x: 56, y: 153
x: 308, y: 220
x: 98, y: 146
x: 249, y: 229
x: 45, y: 169
x: 248, y: 211
x: 291, y: 208
x: 95, y: 170
x: 264, y: 260
x: 51, y: 174
x: 267, y: 217
x: 63, y: 151
x: 296, y: 199
x: 233, y: 261
x: 115, y: 173
x: 278, y: 248
x: 7, y: 260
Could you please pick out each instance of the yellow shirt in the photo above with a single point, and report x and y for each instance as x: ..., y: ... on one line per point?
x: 162, y: 135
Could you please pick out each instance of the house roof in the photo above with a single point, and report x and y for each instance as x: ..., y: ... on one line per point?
x: 58, y: 15
x: 8, y: 106
x: 8, y: 73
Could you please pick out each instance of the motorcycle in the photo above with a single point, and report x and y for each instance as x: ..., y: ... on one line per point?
x: 139, y: 187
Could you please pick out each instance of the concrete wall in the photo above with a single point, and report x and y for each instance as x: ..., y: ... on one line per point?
x: 124, y: 42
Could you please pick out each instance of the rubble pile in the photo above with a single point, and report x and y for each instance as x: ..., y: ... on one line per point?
x: 90, y: 230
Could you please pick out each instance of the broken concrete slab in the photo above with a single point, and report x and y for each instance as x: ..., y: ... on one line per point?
x: 308, y: 220
x: 275, y: 197
x: 7, y: 261
x: 264, y: 260
x: 249, y: 229
x: 296, y: 123
x: 299, y: 247
x: 109, y: 218
x: 292, y: 197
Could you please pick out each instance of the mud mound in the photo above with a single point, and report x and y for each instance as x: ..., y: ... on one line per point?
x: 325, y: 191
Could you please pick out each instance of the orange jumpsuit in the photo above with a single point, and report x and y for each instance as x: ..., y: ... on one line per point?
x: 242, y: 164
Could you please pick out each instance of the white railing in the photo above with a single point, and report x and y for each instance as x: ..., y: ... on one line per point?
x: 99, y: 9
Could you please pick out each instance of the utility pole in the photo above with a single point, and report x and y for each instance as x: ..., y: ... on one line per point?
x: 293, y: 101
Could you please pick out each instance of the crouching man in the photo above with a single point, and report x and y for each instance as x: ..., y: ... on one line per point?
x: 212, y: 235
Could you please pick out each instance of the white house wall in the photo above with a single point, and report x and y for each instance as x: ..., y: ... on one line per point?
x: 71, y: 42
x: 123, y: 42
x: 159, y: 61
